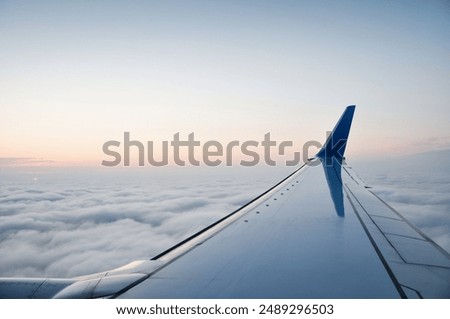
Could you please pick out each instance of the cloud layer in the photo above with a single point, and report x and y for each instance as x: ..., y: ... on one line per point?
x: 63, y: 223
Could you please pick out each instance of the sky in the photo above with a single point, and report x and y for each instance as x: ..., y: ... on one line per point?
x: 75, y: 74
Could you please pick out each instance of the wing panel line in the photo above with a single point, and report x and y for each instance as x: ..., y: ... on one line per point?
x: 372, y: 241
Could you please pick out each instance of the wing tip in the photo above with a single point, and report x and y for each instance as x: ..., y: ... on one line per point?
x: 336, y: 142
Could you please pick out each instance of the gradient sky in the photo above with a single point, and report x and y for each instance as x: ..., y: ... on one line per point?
x: 75, y: 74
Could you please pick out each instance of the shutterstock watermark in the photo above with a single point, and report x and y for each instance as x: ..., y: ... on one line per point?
x: 190, y: 151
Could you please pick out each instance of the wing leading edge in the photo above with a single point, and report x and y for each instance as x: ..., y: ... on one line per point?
x: 319, y: 233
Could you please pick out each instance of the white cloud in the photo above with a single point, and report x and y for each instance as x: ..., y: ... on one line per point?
x: 67, y: 225
x: 75, y: 222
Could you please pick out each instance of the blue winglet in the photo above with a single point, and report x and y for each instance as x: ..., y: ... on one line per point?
x: 337, y: 141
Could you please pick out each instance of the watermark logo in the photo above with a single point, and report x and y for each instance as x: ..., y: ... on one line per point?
x: 190, y: 151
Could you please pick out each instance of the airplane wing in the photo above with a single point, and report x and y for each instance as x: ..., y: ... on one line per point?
x: 319, y: 233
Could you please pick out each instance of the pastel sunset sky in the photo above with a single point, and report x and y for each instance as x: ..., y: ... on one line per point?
x: 75, y: 74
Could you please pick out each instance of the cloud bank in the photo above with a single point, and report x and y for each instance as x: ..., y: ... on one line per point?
x: 64, y: 223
